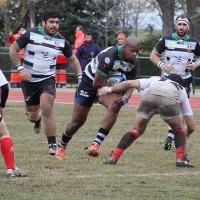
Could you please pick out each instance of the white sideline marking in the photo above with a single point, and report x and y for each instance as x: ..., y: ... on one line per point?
x: 100, y: 175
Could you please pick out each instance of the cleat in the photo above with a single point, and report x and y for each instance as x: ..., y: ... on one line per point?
x: 15, y: 172
x: 167, y: 144
x: 52, y: 149
x: 93, y: 150
x: 111, y: 161
x: 183, y: 163
x: 60, y: 153
x: 38, y: 125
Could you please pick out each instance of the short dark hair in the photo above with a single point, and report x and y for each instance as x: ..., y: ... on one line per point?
x: 183, y: 16
x: 88, y: 33
x: 81, y: 28
x: 175, y: 78
x: 48, y: 13
x: 19, y: 27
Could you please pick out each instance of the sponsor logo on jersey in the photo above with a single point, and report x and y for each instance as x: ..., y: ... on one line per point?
x: 107, y: 60
x: 45, y: 54
x: 38, y: 39
x: 179, y: 59
x: 189, y: 46
x: 170, y: 45
x: 56, y: 43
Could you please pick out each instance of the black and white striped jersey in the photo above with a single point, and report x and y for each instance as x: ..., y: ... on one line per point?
x: 109, y: 61
x: 178, y: 52
x: 40, y: 52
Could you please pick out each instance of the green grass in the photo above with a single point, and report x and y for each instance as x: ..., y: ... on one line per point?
x: 144, y: 171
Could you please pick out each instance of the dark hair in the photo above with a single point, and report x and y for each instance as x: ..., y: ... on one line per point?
x: 81, y: 28
x: 175, y: 78
x: 19, y: 27
x: 183, y: 16
x: 50, y: 14
x: 88, y: 33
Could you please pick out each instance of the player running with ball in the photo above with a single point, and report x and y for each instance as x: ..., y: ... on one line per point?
x: 122, y: 59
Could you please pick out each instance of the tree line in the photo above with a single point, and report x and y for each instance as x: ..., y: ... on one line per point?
x: 103, y: 18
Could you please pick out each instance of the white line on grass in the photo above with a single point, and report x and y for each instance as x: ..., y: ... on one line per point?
x: 110, y: 175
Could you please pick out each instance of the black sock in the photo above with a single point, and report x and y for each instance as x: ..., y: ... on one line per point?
x: 65, y: 140
x: 51, y: 140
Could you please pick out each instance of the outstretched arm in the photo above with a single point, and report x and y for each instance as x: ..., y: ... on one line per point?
x: 121, y: 87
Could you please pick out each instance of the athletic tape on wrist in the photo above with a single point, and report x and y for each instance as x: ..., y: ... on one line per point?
x: 79, y: 76
x: 108, y: 90
x: 20, y: 67
x: 124, y: 98
x: 161, y: 65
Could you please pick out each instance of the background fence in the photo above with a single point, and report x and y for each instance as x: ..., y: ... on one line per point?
x: 146, y: 69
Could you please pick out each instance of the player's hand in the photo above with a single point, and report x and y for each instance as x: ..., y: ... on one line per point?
x: 120, y: 102
x: 191, y: 66
x: 104, y: 90
x: 168, y: 67
x: 25, y: 76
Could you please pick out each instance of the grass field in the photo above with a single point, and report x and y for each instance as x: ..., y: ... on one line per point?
x: 145, y: 170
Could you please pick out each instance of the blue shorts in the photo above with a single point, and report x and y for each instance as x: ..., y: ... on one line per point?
x: 85, y: 92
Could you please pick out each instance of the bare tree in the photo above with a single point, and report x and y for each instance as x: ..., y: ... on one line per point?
x: 167, y: 9
x: 133, y: 13
x: 192, y: 10
x: 6, y: 6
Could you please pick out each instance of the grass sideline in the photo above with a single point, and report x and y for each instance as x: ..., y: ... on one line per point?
x: 144, y: 171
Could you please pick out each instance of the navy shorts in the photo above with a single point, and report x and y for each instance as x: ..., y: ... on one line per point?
x: 33, y: 90
x: 85, y: 92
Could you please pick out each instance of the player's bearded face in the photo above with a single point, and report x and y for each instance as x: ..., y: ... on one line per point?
x: 51, y: 26
x: 181, y: 29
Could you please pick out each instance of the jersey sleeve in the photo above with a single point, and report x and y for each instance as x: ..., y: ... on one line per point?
x: 23, y: 40
x: 160, y: 46
x: 105, y: 63
x: 67, y: 51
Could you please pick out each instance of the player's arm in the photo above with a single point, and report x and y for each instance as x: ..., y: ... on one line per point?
x: 73, y: 60
x: 13, y: 52
x: 187, y: 113
x: 193, y: 65
x: 121, y: 87
x: 75, y: 64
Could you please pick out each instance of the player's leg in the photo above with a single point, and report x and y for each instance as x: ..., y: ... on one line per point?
x: 170, y: 137
x: 110, y: 117
x: 179, y: 140
x: 7, y: 150
x: 84, y: 98
x: 129, y: 137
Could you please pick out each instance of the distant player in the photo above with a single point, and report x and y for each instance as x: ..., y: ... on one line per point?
x: 179, y: 49
x: 162, y: 96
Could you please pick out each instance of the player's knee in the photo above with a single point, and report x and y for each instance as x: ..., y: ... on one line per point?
x: 34, y: 116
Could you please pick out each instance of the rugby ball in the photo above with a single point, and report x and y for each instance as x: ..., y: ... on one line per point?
x: 115, y: 78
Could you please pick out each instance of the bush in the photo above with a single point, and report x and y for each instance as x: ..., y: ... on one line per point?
x: 5, y: 64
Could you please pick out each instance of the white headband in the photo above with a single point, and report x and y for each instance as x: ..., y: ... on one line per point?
x: 183, y: 21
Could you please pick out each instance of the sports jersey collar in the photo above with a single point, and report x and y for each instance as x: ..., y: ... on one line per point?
x: 120, y: 53
x: 43, y: 33
x: 176, y: 38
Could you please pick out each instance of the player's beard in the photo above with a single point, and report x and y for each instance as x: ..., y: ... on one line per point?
x: 184, y: 33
